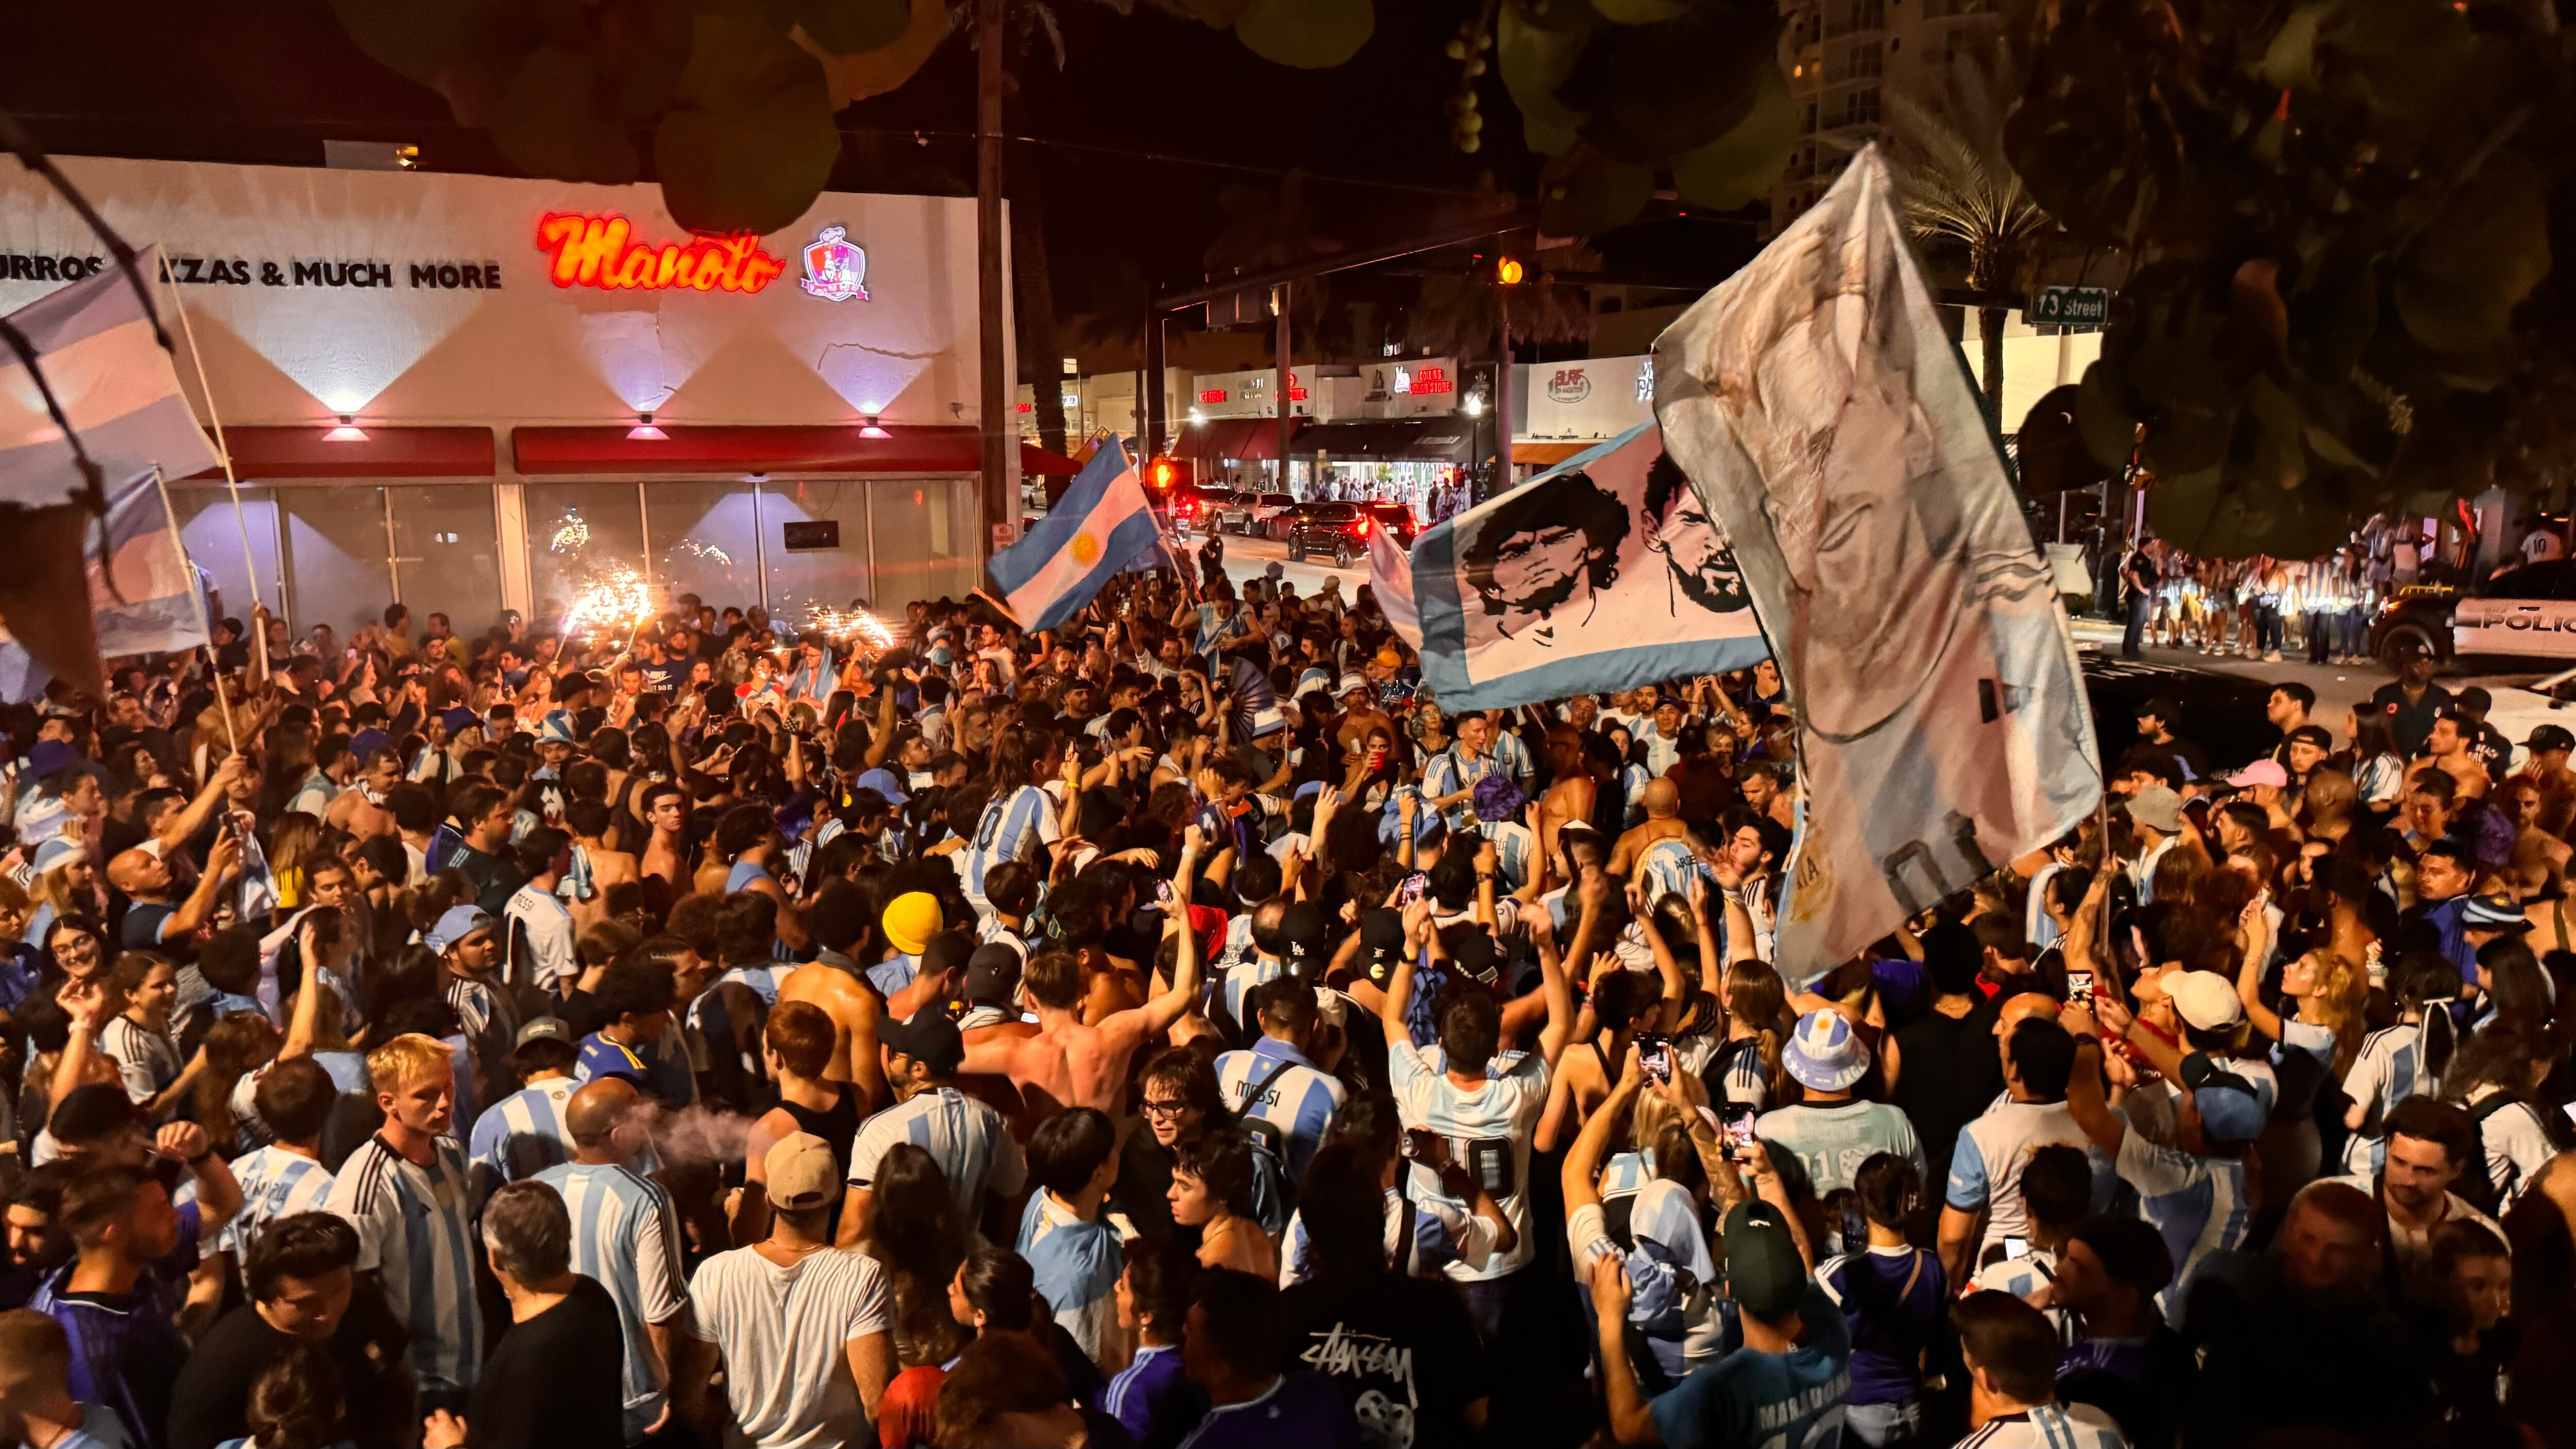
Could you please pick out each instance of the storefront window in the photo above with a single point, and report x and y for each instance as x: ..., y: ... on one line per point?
x: 574, y: 530
x: 831, y: 577
x: 705, y: 542
x: 336, y: 571
x: 447, y: 553
x: 925, y: 539
x: 214, y: 539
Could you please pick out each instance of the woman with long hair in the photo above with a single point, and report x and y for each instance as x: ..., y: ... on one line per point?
x: 2493, y: 1079
x: 2400, y: 1061
x: 2378, y: 771
x: 294, y: 842
x: 1747, y: 1069
x: 913, y: 1227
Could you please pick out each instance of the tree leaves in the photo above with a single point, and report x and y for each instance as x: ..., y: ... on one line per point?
x: 853, y: 27
x: 1662, y: 90
x: 1737, y: 168
x: 547, y: 120
x: 751, y: 142
x: 1536, y: 58
x: 2459, y: 281
x: 857, y: 77
x: 1583, y: 191
x: 1309, y: 34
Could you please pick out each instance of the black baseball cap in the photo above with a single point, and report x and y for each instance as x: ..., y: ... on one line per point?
x: 1764, y: 1274
x: 1305, y: 941
x: 2550, y: 737
x: 930, y: 1038
x: 2316, y: 735
x: 992, y: 975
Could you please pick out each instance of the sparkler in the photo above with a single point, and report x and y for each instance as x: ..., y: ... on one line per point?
x: 614, y: 599
x: 848, y: 626
x: 706, y: 551
x: 572, y: 534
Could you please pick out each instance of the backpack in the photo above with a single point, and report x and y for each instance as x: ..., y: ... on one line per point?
x: 2476, y: 1184
x: 1274, y: 1191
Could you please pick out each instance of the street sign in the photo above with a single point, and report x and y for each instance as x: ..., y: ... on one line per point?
x: 2069, y: 307
x: 1003, y: 535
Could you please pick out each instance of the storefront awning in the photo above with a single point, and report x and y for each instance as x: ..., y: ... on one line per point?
x: 1548, y: 455
x: 1243, y: 439
x: 1390, y: 440
x: 704, y: 448
x: 361, y: 451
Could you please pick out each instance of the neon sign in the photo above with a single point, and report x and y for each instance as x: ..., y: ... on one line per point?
x: 1212, y: 395
x: 1431, y: 380
x: 600, y: 251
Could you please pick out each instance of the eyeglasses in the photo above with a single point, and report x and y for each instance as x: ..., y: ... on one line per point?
x: 1165, y: 1108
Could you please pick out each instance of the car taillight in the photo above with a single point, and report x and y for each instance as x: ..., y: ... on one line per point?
x: 1364, y: 527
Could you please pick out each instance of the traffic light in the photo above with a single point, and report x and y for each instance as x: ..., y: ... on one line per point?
x: 1163, y: 473
x: 1508, y: 271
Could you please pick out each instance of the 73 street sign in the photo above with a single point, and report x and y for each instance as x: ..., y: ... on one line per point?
x: 2069, y: 307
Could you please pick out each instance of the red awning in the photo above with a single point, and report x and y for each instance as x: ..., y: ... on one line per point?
x: 363, y: 451
x: 1548, y: 455
x: 1037, y: 462
x: 702, y: 448
x: 1250, y: 440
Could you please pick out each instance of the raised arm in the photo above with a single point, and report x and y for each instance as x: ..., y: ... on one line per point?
x: 1156, y: 1016
x: 2256, y: 927
x: 2085, y: 1100
x: 1582, y: 1169
x: 1399, y: 987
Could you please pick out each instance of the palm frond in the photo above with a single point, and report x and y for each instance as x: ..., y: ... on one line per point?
x: 1952, y: 177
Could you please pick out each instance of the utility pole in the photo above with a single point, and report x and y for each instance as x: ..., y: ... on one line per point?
x: 1503, y: 392
x: 1287, y: 384
x: 998, y: 427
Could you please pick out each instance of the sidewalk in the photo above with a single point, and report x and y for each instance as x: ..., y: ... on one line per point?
x: 2339, y: 686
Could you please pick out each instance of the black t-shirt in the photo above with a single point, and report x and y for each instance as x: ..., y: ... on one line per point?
x: 207, y: 1404
x: 2143, y: 569
x: 1398, y: 1348
x: 494, y: 879
x: 1947, y: 1072
x: 556, y: 1379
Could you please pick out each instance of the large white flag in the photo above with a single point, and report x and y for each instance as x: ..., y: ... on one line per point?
x: 1827, y: 420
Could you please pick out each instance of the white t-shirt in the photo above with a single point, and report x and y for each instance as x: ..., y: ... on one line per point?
x: 1986, y: 1165
x: 783, y: 1333
x: 1497, y: 1119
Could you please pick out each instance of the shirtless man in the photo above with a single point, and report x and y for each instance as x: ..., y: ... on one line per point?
x: 2447, y: 750
x: 588, y: 820
x: 1574, y: 792
x: 846, y: 997
x: 666, y: 809
x: 1663, y: 803
x: 361, y: 809
x: 1069, y: 1064
x: 1360, y: 714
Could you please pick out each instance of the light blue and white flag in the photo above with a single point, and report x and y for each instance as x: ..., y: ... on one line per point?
x: 158, y: 611
x: 1602, y: 573
x: 1828, y: 421
x: 1099, y: 527
x: 115, y: 383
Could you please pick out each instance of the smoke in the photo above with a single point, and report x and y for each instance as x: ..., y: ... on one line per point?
x: 694, y: 1136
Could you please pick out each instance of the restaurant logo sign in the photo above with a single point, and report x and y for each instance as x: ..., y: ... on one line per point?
x: 836, y: 269
x: 1569, y: 385
x: 601, y: 251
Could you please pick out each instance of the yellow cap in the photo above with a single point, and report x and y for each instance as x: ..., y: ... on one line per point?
x: 911, y: 919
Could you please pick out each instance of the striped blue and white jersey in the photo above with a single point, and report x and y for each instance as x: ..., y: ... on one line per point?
x: 523, y: 1134
x: 2389, y: 1069
x: 626, y: 1234
x: 1076, y: 1261
x: 1442, y: 1235
x: 1986, y: 1162
x: 2050, y: 1426
x: 2023, y: 1276
x: 1514, y: 756
x: 2198, y: 1204
x: 415, y: 1235
x: 147, y: 1061
x: 1489, y: 1127
x: 1016, y: 826
x: 1296, y: 1098
x: 275, y: 1183
x: 975, y: 1151
x: 1515, y: 849
x: 1451, y: 771
x: 541, y: 940
x: 1231, y: 992
x: 1666, y: 867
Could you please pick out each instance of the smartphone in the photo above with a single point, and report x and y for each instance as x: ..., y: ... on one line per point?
x: 1162, y: 893
x: 1411, y: 890
x: 2016, y: 1247
x: 1655, y: 1058
x: 2079, y: 986
x: 1735, y: 1123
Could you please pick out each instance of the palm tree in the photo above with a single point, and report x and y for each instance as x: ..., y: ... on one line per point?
x: 1960, y: 192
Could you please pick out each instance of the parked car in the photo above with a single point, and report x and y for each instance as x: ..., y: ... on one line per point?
x: 1339, y: 531
x: 2517, y: 712
x: 1396, y: 519
x: 1195, y: 508
x: 2222, y: 712
x: 1277, y: 526
x: 2523, y: 613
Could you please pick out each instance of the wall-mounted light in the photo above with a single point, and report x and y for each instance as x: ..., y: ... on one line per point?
x: 645, y: 432
x: 1475, y: 405
x: 347, y: 432
x: 868, y: 428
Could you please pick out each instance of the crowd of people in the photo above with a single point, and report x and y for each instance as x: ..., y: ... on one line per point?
x: 1176, y: 1029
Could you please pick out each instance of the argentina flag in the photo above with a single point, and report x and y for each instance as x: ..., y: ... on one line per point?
x: 1099, y: 528
x: 153, y: 607
x: 116, y: 386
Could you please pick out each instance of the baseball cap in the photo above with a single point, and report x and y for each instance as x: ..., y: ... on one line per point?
x: 911, y: 919
x: 48, y: 756
x: 2231, y: 1107
x: 2315, y: 735
x: 2204, y: 999
x: 2550, y: 737
x: 802, y: 1173
x: 1304, y: 941
x: 1474, y: 952
x: 992, y: 974
x: 1389, y: 659
x: 2261, y: 772
x: 2493, y: 913
x: 2158, y: 808
x: 459, y: 923
x: 544, y: 1028
x: 1382, y: 934
x: 459, y: 719
x: 883, y: 781
x: 1822, y: 1053
x: 1764, y: 1274
x: 929, y: 1038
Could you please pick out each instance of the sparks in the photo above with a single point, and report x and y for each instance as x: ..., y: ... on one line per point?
x: 571, y: 535
x: 848, y: 626
x: 615, y: 599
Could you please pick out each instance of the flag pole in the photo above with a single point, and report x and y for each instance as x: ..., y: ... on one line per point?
x: 197, y: 600
x: 215, y: 417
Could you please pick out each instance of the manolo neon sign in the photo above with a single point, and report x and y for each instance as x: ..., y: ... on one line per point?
x: 601, y: 251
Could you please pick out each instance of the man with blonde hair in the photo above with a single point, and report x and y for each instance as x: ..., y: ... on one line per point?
x: 36, y: 1403
x: 404, y: 1190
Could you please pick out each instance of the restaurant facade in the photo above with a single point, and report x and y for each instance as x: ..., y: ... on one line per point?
x: 470, y: 393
